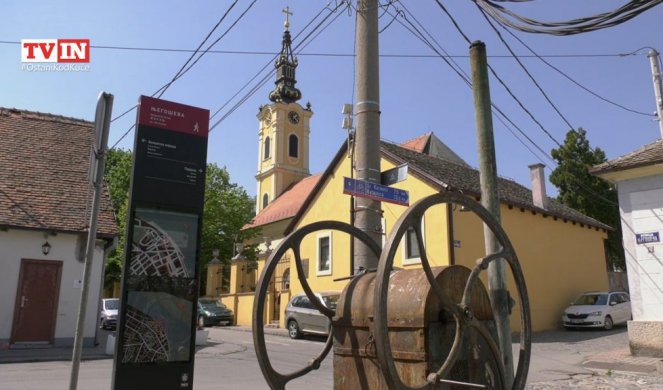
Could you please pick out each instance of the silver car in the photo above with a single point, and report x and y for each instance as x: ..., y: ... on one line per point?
x: 302, y: 317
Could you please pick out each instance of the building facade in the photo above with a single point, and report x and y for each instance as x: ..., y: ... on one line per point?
x: 639, y: 179
x: 44, y: 212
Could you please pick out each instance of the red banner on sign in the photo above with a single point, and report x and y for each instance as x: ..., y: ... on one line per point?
x: 173, y: 116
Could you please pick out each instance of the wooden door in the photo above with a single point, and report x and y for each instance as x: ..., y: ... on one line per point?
x: 35, y: 310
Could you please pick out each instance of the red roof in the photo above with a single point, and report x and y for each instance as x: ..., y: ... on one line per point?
x: 286, y: 205
x: 44, y: 165
x: 417, y: 144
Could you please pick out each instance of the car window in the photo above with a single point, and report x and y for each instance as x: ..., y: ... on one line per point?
x: 625, y: 297
x: 330, y: 301
x: 591, y: 299
x: 305, y: 303
x: 614, y: 299
x: 112, y: 304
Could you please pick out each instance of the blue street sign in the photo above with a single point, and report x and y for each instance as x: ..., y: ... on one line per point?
x: 646, y: 238
x: 365, y: 189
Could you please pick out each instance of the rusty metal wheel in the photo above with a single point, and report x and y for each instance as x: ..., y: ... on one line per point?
x: 293, y: 242
x: 461, y: 311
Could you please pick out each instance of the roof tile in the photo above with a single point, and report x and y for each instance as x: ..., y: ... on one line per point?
x: 44, y: 164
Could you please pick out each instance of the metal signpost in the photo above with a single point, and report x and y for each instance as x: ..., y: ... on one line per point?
x: 156, y: 332
x: 394, y: 175
x: 366, y: 189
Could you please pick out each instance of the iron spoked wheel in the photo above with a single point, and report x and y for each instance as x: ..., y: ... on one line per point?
x: 293, y: 242
x: 466, y: 323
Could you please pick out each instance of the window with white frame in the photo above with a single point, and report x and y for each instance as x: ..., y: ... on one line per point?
x: 324, y: 253
x: 411, y: 249
x: 265, y: 200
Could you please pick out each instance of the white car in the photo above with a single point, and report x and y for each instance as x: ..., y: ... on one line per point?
x: 109, y: 308
x: 598, y: 310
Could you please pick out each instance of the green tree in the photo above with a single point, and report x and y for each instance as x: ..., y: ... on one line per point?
x: 586, y: 193
x: 118, y: 179
x: 227, y: 209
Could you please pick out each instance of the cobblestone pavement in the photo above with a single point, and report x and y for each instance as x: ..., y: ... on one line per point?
x: 602, y: 380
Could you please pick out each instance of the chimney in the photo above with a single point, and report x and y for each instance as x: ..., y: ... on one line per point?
x: 539, y: 197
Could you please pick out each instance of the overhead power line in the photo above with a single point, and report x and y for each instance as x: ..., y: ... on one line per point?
x: 382, y: 55
x: 599, y: 21
x: 186, y: 67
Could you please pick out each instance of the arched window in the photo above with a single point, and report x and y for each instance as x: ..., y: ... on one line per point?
x: 293, y: 146
x: 286, y: 279
x: 265, y: 200
x: 267, y: 147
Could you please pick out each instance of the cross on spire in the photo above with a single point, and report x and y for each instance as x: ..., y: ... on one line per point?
x: 287, y: 13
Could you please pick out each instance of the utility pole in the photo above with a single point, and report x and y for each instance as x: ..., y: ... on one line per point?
x: 101, y: 127
x: 656, y: 75
x: 368, y: 214
x: 490, y: 200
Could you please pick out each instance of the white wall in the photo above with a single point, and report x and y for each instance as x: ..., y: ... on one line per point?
x: 22, y: 244
x: 641, y: 207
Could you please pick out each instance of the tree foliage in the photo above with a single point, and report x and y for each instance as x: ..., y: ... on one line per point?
x: 227, y: 208
x: 586, y: 193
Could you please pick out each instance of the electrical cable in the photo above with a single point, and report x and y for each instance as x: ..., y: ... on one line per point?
x: 615, y: 17
x: 303, y: 43
x: 184, y: 69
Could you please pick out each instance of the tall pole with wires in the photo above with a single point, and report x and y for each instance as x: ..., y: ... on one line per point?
x: 367, y: 144
x: 655, y: 61
x: 490, y: 200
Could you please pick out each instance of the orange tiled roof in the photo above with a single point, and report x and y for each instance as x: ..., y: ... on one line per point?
x: 44, y: 164
x: 417, y: 144
x: 286, y: 205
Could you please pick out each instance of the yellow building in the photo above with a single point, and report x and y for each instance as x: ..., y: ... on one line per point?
x: 561, y: 250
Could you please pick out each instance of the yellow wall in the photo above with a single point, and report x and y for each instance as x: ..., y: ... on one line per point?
x: 559, y: 259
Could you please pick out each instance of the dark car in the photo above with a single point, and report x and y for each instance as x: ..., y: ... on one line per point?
x: 302, y: 317
x: 212, y: 312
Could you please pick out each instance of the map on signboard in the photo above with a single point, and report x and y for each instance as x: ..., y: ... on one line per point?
x: 164, y: 244
x: 157, y: 328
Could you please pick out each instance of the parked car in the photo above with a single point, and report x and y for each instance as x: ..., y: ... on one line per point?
x: 108, y: 315
x: 598, y: 310
x: 212, y: 312
x: 302, y: 317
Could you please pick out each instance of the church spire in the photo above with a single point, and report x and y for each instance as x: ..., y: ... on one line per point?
x: 285, y: 90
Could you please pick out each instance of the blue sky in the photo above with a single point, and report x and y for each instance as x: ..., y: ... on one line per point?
x: 419, y: 92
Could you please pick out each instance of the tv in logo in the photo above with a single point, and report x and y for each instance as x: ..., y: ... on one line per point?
x: 55, y: 50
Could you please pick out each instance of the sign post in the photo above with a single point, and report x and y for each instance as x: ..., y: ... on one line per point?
x: 369, y: 190
x: 156, y: 329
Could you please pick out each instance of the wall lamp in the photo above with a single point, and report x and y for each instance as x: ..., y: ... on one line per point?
x: 46, y: 248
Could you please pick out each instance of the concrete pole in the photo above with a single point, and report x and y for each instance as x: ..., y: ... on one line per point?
x: 489, y: 199
x: 367, y: 143
x: 656, y: 75
x: 102, y: 126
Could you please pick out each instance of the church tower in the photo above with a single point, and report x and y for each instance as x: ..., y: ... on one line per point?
x: 283, y: 138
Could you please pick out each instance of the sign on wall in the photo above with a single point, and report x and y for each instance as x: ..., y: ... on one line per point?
x: 646, y: 238
x: 156, y: 332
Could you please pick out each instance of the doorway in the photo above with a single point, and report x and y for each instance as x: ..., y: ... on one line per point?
x: 36, y: 306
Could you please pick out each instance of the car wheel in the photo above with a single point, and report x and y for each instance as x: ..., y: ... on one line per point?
x: 293, y: 330
x: 607, y: 324
x: 201, y: 322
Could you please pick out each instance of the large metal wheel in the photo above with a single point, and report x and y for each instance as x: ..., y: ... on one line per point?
x: 461, y: 311
x: 293, y: 241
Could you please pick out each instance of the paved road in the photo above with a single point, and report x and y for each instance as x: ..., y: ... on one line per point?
x: 560, y: 360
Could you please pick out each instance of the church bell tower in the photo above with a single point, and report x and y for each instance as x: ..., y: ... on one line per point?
x: 283, y: 137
